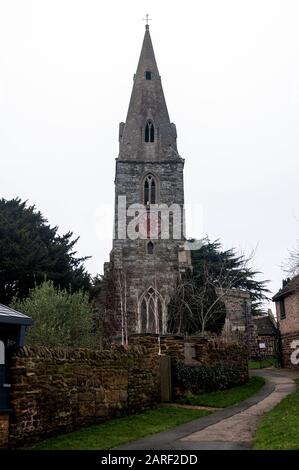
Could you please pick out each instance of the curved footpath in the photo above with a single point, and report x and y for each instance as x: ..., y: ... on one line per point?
x: 231, y: 428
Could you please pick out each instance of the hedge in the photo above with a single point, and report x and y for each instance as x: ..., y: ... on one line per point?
x: 201, y: 378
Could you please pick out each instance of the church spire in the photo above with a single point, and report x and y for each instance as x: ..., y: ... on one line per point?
x: 147, y: 60
x: 147, y: 133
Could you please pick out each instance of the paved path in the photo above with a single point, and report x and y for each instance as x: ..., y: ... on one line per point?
x: 229, y: 428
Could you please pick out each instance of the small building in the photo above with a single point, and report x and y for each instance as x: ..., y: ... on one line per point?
x: 287, y: 310
x: 13, y: 327
x: 266, y: 335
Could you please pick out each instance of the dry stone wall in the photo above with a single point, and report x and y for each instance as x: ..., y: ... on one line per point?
x: 56, y: 391
x: 4, y: 430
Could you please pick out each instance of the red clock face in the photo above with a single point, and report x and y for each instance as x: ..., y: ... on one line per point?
x: 149, y: 225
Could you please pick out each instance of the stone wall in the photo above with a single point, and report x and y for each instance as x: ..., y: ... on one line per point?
x: 4, y: 430
x: 55, y: 391
x: 150, y: 342
x: 169, y: 345
x: 287, y: 349
x: 218, y: 351
x: 207, y: 351
x: 238, y: 309
x: 239, y: 324
x: 173, y: 346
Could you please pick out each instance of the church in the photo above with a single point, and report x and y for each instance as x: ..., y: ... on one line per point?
x: 149, y: 246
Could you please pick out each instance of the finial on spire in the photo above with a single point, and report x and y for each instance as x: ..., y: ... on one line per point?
x: 147, y: 19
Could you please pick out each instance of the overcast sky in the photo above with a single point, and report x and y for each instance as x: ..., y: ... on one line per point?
x: 230, y: 72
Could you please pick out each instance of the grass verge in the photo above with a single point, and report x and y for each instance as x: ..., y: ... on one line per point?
x: 224, y: 398
x: 266, y: 362
x: 121, y: 430
x: 279, y: 428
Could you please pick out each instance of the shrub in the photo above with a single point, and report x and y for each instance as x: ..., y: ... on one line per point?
x: 60, y: 319
x: 201, y: 378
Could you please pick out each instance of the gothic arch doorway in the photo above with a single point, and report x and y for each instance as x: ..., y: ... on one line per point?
x: 151, y: 312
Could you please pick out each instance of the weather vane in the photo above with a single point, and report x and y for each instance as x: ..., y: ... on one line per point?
x: 147, y: 19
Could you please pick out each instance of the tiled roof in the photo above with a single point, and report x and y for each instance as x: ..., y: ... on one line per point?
x: 289, y: 288
x: 9, y: 315
x: 265, y: 325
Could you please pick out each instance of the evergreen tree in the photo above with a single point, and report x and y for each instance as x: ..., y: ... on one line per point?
x: 32, y: 251
x: 231, y: 269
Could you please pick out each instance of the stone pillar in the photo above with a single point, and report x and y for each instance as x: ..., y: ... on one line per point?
x: 201, y: 346
x: 239, y: 324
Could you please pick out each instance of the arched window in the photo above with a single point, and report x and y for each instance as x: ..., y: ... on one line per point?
x: 149, y: 134
x: 150, y: 248
x: 153, y: 192
x: 146, y: 192
x: 149, y: 190
x: 151, y: 311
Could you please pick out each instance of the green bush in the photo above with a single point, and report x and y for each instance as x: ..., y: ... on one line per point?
x: 202, y: 378
x: 60, y: 319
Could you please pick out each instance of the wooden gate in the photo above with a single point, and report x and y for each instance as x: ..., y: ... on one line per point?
x: 165, y: 374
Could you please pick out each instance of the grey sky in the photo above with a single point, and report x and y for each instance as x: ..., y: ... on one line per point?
x: 230, y: 72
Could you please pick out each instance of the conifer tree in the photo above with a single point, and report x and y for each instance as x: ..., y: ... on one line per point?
x: 32, y: 251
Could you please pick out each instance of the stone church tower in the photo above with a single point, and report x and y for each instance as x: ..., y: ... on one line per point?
x: 148, y: 252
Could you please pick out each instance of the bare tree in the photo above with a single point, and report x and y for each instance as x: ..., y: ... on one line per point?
x: 220, y: 286
x: 122, y: 296
x: 291, y: 266
x: 110, y: 304
x: 181, y: 315
x: 196, y: 304
x: 103, y: 312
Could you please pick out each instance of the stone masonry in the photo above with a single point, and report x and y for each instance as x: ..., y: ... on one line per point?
x: 238, y: 310
x: 4, y: 430
x: 143, y: 272
x: 239, y: 325
x: 56, y: 391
